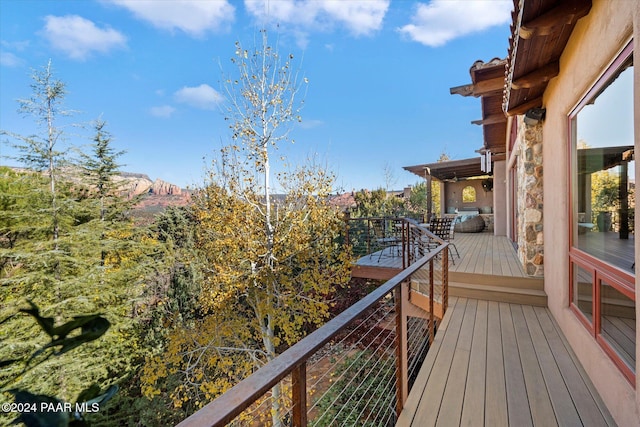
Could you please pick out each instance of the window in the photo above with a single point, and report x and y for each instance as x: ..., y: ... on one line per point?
x: 468, y: 194
x: 602, y: 254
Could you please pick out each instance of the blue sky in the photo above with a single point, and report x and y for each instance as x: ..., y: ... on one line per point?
x: 379, y: 76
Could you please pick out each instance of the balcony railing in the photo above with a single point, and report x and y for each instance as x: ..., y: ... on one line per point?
x: 375, y: 235
x: 359, y: 367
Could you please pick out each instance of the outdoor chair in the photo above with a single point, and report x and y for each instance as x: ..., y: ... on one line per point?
x: 386, y: 237
x: 441, y: 227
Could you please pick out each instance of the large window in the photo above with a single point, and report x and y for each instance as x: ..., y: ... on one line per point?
x: 603, y: 208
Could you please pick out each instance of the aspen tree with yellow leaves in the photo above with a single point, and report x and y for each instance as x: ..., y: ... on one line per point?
x: 271, y: 260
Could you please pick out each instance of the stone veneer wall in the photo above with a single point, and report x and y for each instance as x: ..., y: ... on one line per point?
x: 530, y: 198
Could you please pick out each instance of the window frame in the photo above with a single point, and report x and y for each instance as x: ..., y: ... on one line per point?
x: 620, y: 280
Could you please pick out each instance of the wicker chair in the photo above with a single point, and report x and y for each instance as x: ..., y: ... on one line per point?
x: 441, y: 227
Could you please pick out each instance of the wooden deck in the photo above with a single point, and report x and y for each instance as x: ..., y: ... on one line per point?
x: 480, y: 253
x: 501, y: 364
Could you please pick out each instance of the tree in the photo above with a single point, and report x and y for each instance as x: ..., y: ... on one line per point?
x: 67, y: 250
x: 42, y: 152
x: 270, y: 260
x: 99, y: 169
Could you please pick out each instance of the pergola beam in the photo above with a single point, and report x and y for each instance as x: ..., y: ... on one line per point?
x: 484, y: 87
x: 491, y: 119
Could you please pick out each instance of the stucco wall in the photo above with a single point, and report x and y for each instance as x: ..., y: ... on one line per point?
x: 500, y: 198
x: 594, y: 43
x: 453, y: 195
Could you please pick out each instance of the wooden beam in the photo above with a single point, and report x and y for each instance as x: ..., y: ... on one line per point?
x: 484, y: 87
x: 540, y: 76
x: 464, y: 90
x: 517, y: 110
x: 566, y: 13
x: 491, y: 119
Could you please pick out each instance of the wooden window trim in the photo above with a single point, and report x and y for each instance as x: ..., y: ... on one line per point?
x: 615, y: 277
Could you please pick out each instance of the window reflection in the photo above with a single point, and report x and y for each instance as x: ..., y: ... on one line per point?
x: 619, y: 323
x: 604, y: 206
x: 583, y: 291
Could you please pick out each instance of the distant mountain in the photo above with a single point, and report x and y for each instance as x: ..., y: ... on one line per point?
x: 156, y: 195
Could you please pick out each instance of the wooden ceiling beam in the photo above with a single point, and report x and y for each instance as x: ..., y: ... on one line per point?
x: 537, y: 77
x: 566, y: 13
x: 517, y: 110
x: 491, y: 119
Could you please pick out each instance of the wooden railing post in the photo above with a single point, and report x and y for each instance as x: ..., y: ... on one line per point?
x: 299, y: 395
x: 401, y: 294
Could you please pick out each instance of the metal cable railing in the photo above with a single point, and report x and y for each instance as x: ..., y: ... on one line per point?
x: 358, y: 368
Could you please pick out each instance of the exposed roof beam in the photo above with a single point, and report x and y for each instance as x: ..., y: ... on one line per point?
x: 484, y: 87
x: 491, y: 119
x: 537, y: 77
x: 517, y: 110
x: 464, y: 90
x: 566, y: 13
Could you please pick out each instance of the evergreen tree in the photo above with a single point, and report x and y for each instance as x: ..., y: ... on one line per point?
x: 68, y: 246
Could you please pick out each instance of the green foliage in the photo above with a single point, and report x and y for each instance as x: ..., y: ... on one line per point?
x: 67, y: 244
x: 47, y: 410
x: 378, y: 203
x: 268, y: 263
x: 362, y: 392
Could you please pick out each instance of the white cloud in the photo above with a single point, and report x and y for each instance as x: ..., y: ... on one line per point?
x: 361, y: 18
x: 8, y: 59
x: 163, y: 111
x: 194, y: 17
x: 310, y: 124
x: 204, y: 97
x: 79, y: 38
x: 440, y: 21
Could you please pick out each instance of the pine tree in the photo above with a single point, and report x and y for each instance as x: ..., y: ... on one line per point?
x: 68, y: 246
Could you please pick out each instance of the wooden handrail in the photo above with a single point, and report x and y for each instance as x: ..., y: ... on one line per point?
x: 232, y: 403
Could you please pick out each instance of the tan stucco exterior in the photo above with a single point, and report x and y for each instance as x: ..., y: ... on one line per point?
x: 594, y: 43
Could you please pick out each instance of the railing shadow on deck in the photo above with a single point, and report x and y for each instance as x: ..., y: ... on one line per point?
x: 356, y: 369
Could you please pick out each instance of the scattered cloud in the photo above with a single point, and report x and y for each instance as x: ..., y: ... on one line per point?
x: 193, y: 17
x: 17, y: 46
x: 78, y: 37
x: 440, y: 21
x: 8, y: 59
x: 360, y: 18
x: 163, y: 111
x: 204, y: 97
x: 310, y: 124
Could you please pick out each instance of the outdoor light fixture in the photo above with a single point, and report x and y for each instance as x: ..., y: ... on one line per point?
x: 485, y: 161
x: 534, y: 116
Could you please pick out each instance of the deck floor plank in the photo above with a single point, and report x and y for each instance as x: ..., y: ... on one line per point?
x: 539, y: 401
x: 586, y: 400
x: 567, y: 415
x: 496, y: 401
x: 474, y: 396
x: 517, y: 399
x: 519, y: 368
x: 455, y: 389
x: 428, y: 408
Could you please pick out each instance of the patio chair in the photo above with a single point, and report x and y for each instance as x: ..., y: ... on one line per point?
x: 441, y: 227
x: 385, y: 236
